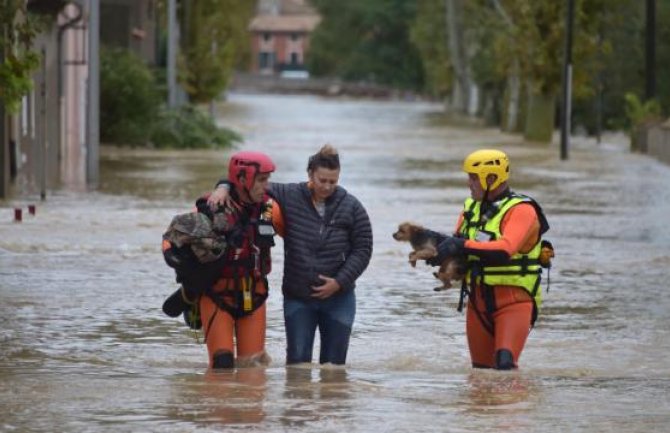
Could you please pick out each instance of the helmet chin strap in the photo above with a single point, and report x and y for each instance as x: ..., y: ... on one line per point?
x: 247, y: 192
x: 487, y: 191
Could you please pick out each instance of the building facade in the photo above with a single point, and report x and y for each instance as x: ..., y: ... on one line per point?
x: 45, y: 133
x: 280, y: 34
x: 52, y: 140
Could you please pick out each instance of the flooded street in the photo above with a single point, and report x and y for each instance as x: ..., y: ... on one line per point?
x: 84, y: 346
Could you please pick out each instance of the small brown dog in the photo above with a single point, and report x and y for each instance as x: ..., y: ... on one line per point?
x: 424, y: 243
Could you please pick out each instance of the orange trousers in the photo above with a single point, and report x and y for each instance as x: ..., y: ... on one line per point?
x: 507, y: 328
x: 224, y: 332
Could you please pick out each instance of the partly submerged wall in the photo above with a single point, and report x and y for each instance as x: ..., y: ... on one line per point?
x: 658, y: 142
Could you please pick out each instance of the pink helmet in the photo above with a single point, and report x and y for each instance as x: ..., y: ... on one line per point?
x: 249, y: 164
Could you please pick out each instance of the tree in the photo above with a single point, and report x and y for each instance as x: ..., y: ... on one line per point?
x: 534, y: 42
x: 366, y: 40
x: 18, y: 29
x: 129, y: 98
x: 663, y: 54
x: 429, y: 34
x: 458, y: 54
x: 214, y: 38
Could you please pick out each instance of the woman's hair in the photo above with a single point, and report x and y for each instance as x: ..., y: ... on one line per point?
x: 326, y: 157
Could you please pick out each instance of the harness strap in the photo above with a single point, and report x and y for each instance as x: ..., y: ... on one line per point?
x: 464, y: 292
x: 209, y: 325
x: 478, y: 272
x: 487, y: 324
x: 237, y: 293
x: 468, y: 216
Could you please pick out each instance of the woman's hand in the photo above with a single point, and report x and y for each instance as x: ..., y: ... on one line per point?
x: 326, y: 290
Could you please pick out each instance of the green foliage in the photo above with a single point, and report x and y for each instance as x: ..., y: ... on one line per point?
x: 366, y: 40
x: 536, y: 39
x: 623, y: 27
x: 214, y: 38
x: 16, y: 79
x: 18, y: 29
x: 484, y: 26
x: 129, y: 99
x: 130, y: 112
x: 639, y: 112
x: 640, y: 115
x: 429, y: 34
x: 187, y: 127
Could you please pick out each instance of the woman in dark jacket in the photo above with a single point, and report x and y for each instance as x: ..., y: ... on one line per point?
x: 327, y: 246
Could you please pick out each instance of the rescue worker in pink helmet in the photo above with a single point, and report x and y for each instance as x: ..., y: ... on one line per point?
x: 231, y: 305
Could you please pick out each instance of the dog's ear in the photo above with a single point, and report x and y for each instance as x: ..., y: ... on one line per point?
x: 413, y: 228
x: 401, y: 234
x: 404, y: 228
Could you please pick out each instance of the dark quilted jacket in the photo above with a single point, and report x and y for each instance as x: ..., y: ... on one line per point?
x: 338, y: 245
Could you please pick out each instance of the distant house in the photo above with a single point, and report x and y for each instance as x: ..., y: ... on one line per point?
x: 280, y: 34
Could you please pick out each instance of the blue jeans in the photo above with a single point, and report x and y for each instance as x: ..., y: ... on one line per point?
x: 334, y: 317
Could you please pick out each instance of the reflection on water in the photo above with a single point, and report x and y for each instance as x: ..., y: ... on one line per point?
x: 310, y: 399
x: 85, y: 347
x: 487, y: 389
x: 235, y: 397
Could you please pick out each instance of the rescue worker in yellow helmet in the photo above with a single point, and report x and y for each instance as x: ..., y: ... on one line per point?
x: 500, y: 234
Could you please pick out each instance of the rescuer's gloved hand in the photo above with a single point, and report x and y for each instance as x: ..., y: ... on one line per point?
x: 179, y: 258
x: 172, y: 259
x: 450, y: 247
x: 178, y: 302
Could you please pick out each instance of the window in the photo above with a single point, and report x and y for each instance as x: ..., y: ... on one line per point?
x: 266, y: 60
x: 267, y: 37
x: 294, y: 58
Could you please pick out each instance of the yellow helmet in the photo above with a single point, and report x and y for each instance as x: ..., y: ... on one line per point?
x: 488, y: 161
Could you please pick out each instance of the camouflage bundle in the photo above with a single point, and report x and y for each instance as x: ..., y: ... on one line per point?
x: 204, y: 236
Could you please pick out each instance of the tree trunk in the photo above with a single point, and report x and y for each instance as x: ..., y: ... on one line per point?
x: 460, y: 95
x: 514, y: 89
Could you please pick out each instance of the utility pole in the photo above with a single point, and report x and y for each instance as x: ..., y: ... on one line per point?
x: 4, y: 151
x: 93, y: 109
x: 44, y: 140
x: 566, y: 108
x: 172, y: 54
x: 650, y: 51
